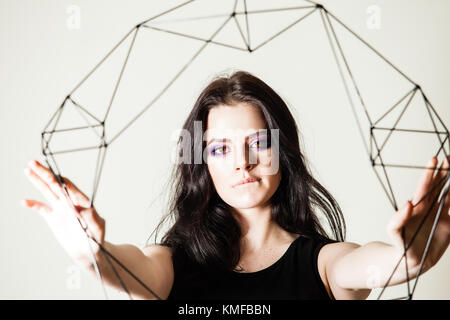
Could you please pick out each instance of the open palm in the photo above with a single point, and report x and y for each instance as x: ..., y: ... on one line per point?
x: 67, y: 214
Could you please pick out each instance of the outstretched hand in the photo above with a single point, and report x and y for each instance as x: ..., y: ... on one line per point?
x: 410, y: 217
x: 66, y: 214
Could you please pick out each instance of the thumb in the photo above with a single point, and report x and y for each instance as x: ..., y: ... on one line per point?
x: 400, y: 218
x: 92, y: 220
x: 77, y: 196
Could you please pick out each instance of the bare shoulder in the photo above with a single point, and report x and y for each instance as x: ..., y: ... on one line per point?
x: 333, y: 250
x: 329, y: 254
x: 159, y: 254
x: 157, y: 250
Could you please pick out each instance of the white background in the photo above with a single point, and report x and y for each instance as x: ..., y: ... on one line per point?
x: 41, y: 60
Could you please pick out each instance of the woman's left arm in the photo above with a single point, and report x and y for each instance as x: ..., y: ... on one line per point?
x: 351, y: 270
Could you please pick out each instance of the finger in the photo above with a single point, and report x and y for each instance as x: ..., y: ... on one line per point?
x: 77, y: 196
x: 92, y: 223
x: 443, y: 170
x: 425, y: 180
x: 49, y: 195
x: 47, y: 176
x: 439, y: 179
x: 446, y: 208
x: 400, y: 218
x: 40, y: 207
x: 404, y: 215
x: 397, y: 222
x: 445, y: 214
x: 91, y: 217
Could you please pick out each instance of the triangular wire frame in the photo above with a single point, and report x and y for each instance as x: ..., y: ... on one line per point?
x: 241, y: 16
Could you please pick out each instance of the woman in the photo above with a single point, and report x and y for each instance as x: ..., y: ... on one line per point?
x: 246, y: 218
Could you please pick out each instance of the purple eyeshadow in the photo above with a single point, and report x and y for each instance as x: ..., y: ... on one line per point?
x: 263, y: 144
x: 212, y: 150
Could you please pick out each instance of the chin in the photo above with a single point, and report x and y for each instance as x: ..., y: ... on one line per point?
x: 247, y: 202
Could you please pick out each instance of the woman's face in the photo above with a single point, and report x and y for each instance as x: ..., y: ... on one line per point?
x: 234, y: 153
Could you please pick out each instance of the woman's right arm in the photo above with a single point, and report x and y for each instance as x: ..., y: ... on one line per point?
x: 151, y: 265
x: 67, y: 218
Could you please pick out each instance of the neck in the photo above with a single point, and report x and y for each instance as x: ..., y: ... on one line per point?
x: 258, y: 228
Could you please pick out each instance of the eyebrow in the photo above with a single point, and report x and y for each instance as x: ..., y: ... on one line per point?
x: 256, y: 134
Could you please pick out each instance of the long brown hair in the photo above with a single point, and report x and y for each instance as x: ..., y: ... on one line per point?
x: 203, y: 224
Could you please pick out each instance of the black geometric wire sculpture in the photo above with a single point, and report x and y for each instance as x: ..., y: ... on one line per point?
x: 370, y: 132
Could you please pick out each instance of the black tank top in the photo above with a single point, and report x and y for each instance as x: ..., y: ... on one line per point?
x: 294, y: 276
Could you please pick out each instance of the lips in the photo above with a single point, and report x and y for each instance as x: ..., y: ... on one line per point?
x: 245, y: 181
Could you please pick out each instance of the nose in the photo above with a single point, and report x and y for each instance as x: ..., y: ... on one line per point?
x: 244, y: 160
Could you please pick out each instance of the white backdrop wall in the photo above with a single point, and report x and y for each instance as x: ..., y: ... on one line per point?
x: 44, y: 55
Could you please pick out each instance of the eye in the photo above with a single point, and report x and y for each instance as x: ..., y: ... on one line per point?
x: 217, y: 151
x: 260, y: 144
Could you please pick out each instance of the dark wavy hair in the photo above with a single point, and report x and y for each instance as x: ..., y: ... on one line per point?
x: 203, y: 224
